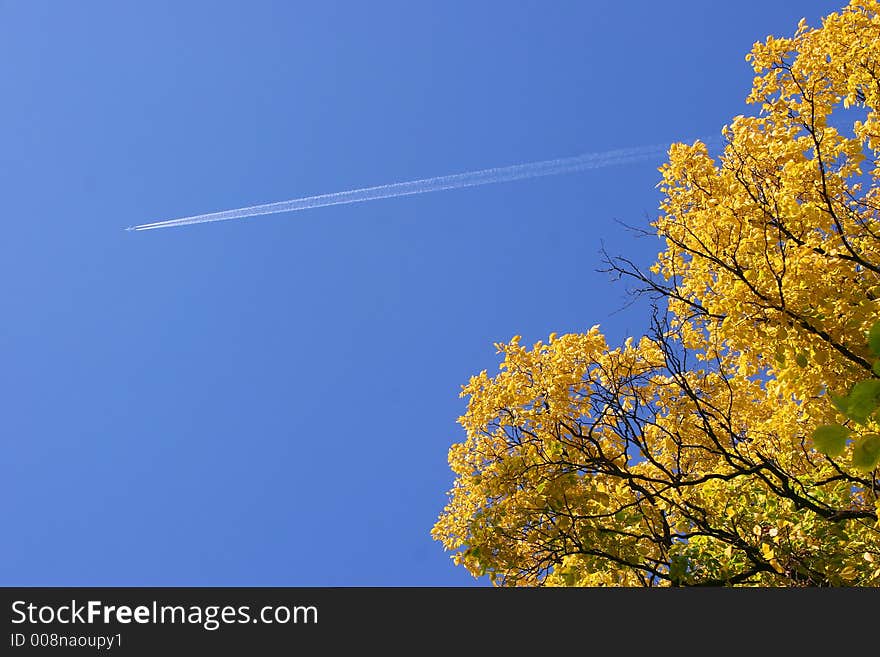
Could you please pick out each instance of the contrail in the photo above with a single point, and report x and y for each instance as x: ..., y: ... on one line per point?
x: 425, y: 185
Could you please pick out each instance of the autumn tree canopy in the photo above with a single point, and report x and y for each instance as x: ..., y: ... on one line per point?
x: 736, y: 442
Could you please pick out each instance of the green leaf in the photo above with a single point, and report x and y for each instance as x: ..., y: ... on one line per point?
x: 866, y: 454
x: 874, y: 338
x: 876, y: 367
x: 830, y: 439
x: 840, y: 402
x: 801, y: 359
x: 678, y: 566
x: 862, y: 400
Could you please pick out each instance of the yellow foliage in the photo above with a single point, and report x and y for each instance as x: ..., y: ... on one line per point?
x: 683, y: 457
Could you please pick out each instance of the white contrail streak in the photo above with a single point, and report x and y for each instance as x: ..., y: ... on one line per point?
x: 424, y: 185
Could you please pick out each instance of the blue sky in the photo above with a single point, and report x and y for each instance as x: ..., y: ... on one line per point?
x: 271, y: 401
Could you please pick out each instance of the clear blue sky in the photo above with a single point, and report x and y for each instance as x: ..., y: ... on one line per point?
x: 271, y: 401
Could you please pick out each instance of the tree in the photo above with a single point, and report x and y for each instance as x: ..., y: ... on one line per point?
x: 736, y: 443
